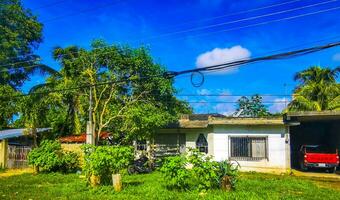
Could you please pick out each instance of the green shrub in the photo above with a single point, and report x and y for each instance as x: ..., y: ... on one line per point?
x: 227, y: 168
x: 176, y: 174
x: 196, y: 171
x: 70, y: 162
x: 103, y: 161
x: 49, y: 157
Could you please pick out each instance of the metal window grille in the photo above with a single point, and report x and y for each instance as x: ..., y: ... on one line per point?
x: 248, y: 148
x: 202, y: 144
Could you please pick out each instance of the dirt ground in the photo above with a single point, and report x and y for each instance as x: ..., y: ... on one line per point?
x: 322, y: 179
x: 13, y: 172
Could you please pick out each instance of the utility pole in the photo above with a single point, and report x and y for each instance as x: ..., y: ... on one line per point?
x: 285, y: 87
x: 89, y: 127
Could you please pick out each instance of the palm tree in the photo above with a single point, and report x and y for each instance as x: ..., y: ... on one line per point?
x: 317, y: 90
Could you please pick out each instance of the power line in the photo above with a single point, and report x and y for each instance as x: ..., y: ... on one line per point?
x: 83, y: 11
x: 235, y: 28
x: 236, y: 13
x: 253, y: 60
x: 49, y: 5
x: 258, y: 24
x: 232, y: 95
x: 233, y: 102
x: 240, y: 20
x: 171, y: 74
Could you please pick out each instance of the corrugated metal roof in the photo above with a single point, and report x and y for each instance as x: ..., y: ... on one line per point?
x: 12, y: 133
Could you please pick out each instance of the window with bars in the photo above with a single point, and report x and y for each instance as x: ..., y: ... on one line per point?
x: 248, y: 148
x: 202, y: 144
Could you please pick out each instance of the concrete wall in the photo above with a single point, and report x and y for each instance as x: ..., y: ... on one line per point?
x: 276, y: 146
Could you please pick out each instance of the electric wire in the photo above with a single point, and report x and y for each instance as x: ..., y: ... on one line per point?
x: 235, y: 28
x: 172, y: 74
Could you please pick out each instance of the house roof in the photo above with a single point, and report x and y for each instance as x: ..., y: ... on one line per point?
x: 204, y: 121
x: 312, y: 116
x: 81, y: 138
x: 246, y: 121
x: 12, y: 133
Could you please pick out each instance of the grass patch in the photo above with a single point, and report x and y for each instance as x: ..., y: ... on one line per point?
x: 151, y: 186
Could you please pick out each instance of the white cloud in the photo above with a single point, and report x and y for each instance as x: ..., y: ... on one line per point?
x: 220, y: 56
x: 225, y: 108
x: 336, y: 57
x: 279, y: 105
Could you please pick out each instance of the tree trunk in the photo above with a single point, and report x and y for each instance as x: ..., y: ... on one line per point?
x: 94, y: 180
x: 117, y: 182
x: 34, y: 133
x: 226, y: 183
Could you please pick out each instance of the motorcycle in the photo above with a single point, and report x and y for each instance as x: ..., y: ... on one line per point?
x: 140, y: 166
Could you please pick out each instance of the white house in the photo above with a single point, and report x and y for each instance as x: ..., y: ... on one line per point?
x: 257, y: 144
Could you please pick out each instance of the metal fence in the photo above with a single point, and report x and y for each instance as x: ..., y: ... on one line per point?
x: 248, y: 148
x: 17, y: 156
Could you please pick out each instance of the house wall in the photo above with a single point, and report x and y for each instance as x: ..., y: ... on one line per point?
x: 218, y: 144
x: 276, y: 146
x: 191, y: 135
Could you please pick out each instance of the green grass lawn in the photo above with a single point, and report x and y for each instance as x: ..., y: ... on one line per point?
x: 151, y: 186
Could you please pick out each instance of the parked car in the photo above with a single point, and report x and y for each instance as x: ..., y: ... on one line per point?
x: 316, y: 156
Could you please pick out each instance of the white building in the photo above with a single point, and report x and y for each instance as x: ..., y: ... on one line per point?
x: 257, y: 144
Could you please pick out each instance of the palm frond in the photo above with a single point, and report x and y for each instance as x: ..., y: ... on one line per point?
x: 38, y: 87
x: 301, y: 103
x: 334, y: 104
x: 43, y: 69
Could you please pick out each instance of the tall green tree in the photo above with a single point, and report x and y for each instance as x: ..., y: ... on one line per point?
x: 20, y: 35
x: 252, y: 107
x: 8, y: 105
x: 131, y: 97
x: 317, y: 90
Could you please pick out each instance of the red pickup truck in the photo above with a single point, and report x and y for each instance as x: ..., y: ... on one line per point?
x: 316, y: 156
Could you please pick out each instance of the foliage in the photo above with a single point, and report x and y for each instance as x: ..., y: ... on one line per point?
x: 49, y: 157
x: 175, y: 173
x: 8, y: 106
x: 70, y: 162
x: 35, y: 110
x: 103, y: 161
x: 252, y: 107
x: 317, y: 90
x: 136, y: 102
x: 230, y: 169
x: 196, y: 171
x: 20, y: 34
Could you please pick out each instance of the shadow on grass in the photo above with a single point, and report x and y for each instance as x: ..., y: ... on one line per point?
x: 132, y: 183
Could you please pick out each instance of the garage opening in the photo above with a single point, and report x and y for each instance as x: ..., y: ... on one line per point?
x: 313, y: 129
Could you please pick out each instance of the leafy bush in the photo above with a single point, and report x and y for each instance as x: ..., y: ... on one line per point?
x: 176, y: 174
x: 70, y: 162
x: 196, y: 171
x: 103, y: 161
x: 230, y: 169
x: 50, y: 157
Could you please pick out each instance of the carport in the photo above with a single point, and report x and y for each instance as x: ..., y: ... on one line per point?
x: 312, y: 128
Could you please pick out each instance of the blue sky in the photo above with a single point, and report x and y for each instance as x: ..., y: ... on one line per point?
x: 192, y: 33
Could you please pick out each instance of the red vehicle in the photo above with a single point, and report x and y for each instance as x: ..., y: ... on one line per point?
x: 316, y: 156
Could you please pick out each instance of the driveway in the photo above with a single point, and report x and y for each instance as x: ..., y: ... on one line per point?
x: 316, y: 174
